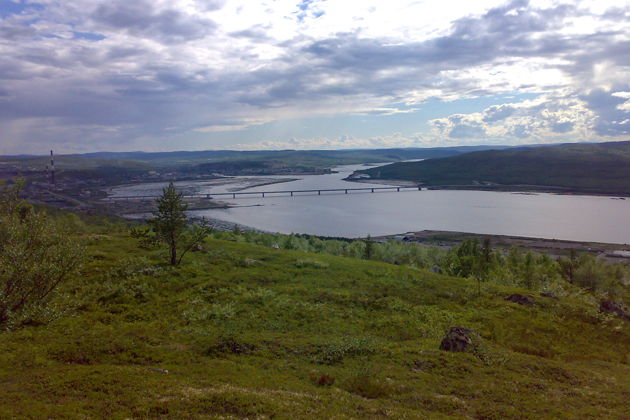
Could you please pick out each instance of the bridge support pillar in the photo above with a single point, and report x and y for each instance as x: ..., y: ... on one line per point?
x: 398, y: 189
x: 263, y: 194
x: 291, y: 193
x: 346, y: 191
x: 372, y: 189
x: 233, y: 195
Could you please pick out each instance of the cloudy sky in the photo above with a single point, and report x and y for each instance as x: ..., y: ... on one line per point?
x: 159, y: 75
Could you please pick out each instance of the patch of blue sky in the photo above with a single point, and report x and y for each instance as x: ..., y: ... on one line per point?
x: 87, y: 35
x: 304, y: 4
x: 8, y: 7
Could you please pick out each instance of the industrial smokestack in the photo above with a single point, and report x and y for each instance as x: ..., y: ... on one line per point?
x: 52, y: 168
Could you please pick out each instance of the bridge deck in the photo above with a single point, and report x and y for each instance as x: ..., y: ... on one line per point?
x: 264, y: 193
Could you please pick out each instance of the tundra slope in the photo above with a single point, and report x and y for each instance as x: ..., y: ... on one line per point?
x: 247, y: 331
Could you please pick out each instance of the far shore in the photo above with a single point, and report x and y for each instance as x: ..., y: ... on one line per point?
x: 495, y: 187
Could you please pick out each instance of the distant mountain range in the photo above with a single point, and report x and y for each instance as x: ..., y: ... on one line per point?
x: 309, y: 158
x: 325, y: 157
x: 594, y: 167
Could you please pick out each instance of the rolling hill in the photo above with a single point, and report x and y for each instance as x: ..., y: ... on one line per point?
x: 315, y: 158
x: 594, y: 168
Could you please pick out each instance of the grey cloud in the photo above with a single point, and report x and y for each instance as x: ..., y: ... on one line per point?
x: 462, y: 131
x: 257, y: 33
x: 562, y: 127
x: 149, y: 97
x: 12, y: 70
x: 117, y: 52
x: 473, y: 41
x: 210, y: 5
x: 611, y: 121
x: 139, y: 18
x: 498, y: 113
x: 15, y: 32
x: 521, y: 131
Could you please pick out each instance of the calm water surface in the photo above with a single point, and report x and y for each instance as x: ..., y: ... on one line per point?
x: 571, y: 217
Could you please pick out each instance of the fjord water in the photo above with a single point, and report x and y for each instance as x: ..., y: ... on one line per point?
x: 570, y: 217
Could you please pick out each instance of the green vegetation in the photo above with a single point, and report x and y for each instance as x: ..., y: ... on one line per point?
x: 169, y: 226
x: 35, y: 257
x: 241, y: 330
x: 594, y: 168
x: 471, y: 260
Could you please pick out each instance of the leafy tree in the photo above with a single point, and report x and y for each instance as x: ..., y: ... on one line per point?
x: 36, y: 255
x: 169, y: 226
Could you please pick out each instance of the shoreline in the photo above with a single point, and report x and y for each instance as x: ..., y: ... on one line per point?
x: 523, y: 189
x: 555, y: 248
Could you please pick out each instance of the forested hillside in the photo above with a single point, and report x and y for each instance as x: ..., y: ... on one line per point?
x: 598, y: 168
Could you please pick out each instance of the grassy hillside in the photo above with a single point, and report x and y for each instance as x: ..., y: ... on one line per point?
x: 601, y: 168
x: 245, y: 331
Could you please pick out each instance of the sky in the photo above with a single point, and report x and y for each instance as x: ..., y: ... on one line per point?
x: 161, y: 75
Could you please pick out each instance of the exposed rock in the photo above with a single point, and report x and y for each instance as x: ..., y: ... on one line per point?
x: 457, y: 339
x: 520, y: 299
x: 549, y: 295
x: 609, y: 306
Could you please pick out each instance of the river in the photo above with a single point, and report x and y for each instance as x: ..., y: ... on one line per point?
x: 541, y: 215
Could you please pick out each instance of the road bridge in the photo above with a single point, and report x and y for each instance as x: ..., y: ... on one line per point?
x: 240, y: 194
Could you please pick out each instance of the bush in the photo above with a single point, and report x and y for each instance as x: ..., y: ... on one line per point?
x: 310, y: 263
x: 36, y: 255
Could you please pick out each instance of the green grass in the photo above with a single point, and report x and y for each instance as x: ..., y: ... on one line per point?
x: 247, y: 331
x: 602, y: 168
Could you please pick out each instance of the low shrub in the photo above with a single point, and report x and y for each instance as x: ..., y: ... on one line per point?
x: 352, y: 346
x: 310, y: 263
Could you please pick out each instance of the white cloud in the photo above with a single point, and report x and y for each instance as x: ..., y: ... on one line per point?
x: 548, y: 119
x: 142, y: 71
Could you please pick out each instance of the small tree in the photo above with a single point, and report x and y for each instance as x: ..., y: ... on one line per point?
x: 369, y: 248
x: 36, y: 255
x: 169, y: 226
x: 568, y: 266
